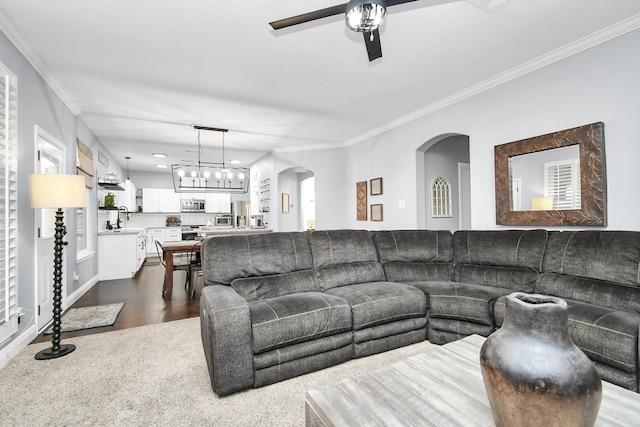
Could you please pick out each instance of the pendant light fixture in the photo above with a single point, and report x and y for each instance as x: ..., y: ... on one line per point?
x: 128, y: 180
x: 209, y: 177
x: 365, y: 16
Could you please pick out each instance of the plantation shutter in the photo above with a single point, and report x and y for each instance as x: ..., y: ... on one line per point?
x: 8, y: 205
x: 562, y: 183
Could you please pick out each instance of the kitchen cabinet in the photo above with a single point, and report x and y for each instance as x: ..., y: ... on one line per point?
x: 163, y: 234
x: 156, y: 200
x: 217, y: 203
x: 127, y: 198
x: 121, y: 254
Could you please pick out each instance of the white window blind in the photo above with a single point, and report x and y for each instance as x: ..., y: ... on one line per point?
x: 562, y: 183
x: 441, y: 198
x: 8, y: 204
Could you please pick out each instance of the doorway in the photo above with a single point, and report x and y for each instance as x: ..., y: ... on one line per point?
x: 297, y: 186
x: 444, y: 158
x: 50, y: 159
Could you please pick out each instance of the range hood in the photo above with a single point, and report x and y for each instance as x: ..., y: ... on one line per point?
x: 110, y: 182
x: 110, y: 186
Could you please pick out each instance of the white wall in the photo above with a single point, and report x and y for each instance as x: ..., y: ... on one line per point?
x: 598, y: 84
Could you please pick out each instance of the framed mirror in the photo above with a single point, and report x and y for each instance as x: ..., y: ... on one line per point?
x: 539, y: 180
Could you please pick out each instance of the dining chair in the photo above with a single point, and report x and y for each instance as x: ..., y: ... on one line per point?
x: 195, y: 268
x: 176, y: 267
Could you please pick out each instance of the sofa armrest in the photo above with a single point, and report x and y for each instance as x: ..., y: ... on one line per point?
x: 225, y: 326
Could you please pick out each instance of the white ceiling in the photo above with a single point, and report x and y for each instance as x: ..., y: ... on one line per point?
x: 140, y: 73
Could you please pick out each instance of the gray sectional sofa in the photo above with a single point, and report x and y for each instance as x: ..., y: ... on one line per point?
x: 280, y: 305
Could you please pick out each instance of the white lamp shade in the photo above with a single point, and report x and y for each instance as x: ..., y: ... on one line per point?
x: 57, y: 191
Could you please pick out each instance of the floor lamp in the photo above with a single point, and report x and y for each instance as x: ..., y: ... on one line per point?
x: 55, y: 191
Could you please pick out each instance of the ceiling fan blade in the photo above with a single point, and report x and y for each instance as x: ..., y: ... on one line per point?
x: 397, y: 2
x: 311, y: 16
x: 374, y: 49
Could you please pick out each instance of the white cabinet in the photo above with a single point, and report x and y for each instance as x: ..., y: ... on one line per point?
x: 164, y: 234
x: 153, y: 234
x: 217, y: 203
x: 141, y: 251
x: 160, y: 200
x: 120, y: 255
x: 173, y: 234
x: 127, y: 198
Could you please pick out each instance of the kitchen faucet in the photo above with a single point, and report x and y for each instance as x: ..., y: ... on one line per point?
x: 125, y: 209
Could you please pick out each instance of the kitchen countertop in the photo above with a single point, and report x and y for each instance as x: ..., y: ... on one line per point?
x: 222, y: 231
x: 117, y: 231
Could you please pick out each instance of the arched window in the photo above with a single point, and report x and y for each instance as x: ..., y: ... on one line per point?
x: 441, y: 198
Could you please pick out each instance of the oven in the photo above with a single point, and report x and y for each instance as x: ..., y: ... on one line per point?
x: 190, y: 232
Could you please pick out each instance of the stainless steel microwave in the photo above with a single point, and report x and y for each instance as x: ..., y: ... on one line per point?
x: 192, y: 205
x: 224, y: 221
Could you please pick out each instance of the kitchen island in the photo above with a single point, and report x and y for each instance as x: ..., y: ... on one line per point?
x: 121, y: 253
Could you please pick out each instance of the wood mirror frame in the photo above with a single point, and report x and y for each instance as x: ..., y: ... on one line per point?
x: 593, y: 181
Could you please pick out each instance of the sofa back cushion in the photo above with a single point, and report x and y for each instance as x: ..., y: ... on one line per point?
x: 508, y: 259
x: 227, y: 258
x: 593, y: 266
x: 415, y: 255
x: 344, y: 257
x: 275, y: 285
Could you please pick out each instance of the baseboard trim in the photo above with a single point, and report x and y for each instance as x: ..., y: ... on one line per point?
x: 17, y: 345
x: 74, y: 297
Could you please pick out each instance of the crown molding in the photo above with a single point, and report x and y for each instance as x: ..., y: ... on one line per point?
x: 25, y: 49
x: 617, y: 30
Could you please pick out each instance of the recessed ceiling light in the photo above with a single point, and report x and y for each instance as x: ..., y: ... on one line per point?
x: 161, y: 166
x: 161, y: 155
x: 235, y: 162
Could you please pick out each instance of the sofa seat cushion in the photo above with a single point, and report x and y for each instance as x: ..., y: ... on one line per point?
x: 376, y: 303
x: 605, y: 335
x: 463, y: 301
x: 294, y: 318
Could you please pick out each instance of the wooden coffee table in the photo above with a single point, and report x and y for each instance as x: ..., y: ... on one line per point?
x: 442, y: 387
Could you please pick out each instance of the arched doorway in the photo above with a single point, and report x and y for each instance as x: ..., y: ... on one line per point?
x: 443, y: 178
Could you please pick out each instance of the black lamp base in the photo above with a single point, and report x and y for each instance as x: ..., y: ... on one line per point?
x: 51, y: 353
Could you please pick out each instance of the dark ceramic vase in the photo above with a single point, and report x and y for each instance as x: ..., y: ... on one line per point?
x: 533, y: 372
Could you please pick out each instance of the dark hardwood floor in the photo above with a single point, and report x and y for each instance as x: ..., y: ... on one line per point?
x: 143, y: 300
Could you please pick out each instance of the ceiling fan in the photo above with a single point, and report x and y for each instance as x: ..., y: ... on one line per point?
x: 363, y: 16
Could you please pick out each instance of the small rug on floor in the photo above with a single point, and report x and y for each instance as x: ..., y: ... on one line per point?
x: 89, y: 317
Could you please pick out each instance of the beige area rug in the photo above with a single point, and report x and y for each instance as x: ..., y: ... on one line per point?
x: 153, y: 375
x: 95, y: 316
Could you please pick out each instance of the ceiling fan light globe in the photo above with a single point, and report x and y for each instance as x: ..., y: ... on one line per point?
x: 365, y: 15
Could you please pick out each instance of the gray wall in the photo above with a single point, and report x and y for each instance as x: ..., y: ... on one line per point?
x: 597, y: 84
x: 39, y: 105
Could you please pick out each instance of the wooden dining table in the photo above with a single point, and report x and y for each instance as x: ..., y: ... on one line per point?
x: 171, y: 248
